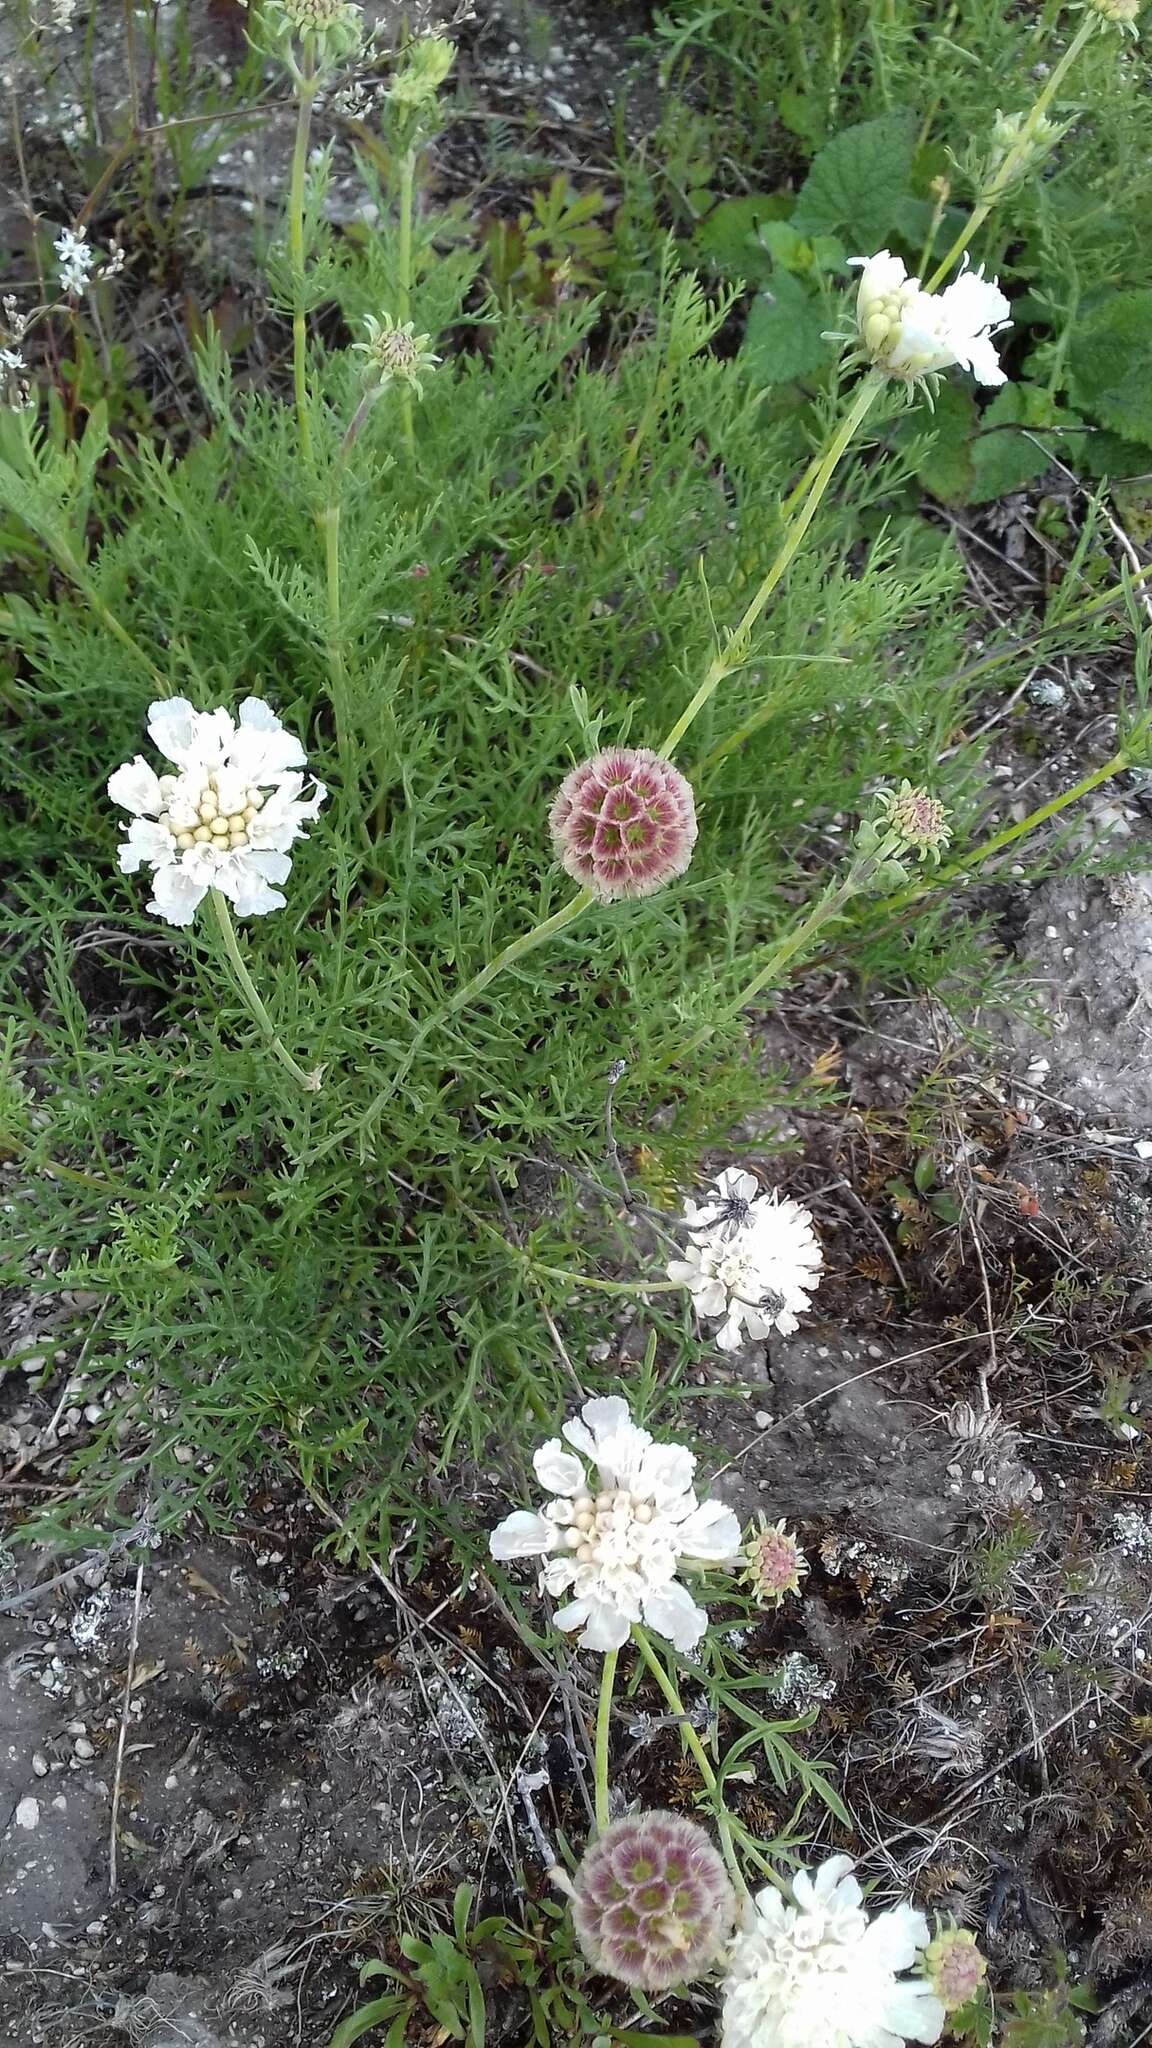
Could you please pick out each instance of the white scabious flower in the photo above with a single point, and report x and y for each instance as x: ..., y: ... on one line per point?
x: 820, y: 1971
x: 911, y: 334
x: 617, y: 1541
x: 74, y: 260
x: 225, y: 819
x: 751, y: 1259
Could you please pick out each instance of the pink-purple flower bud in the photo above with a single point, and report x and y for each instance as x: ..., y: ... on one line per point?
x: 652, y: 1903
x: 954, y: 1967
x: 624, y: 823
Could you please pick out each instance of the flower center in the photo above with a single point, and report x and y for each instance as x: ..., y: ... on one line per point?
x: 606, y: 1528
x: 204, y: 820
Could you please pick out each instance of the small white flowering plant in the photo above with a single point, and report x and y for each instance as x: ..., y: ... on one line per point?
x: 219, y: 824
x: 224, y: 817
x: 623, y: 1521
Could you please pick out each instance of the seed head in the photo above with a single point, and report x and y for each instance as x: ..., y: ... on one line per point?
x: 954, y: 1967
x: 1122, y: 13
x: 426, y: 66
x: 774, y: 1563
x: 397, y: 352
x: 652, y: 1904
x: 624, y: 823
x: 918, y: 820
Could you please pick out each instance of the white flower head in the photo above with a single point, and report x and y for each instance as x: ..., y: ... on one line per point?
x: 820, y: 1971
x: 226, y: 819
x: 752, y: 1259
x: 75, y: 259
x: 911, y: 334
x: 622, y: 1521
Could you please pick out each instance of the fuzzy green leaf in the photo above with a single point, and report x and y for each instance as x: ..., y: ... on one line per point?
x: 1109, y: 360
x: 859, y: 180
x: 784, y: 338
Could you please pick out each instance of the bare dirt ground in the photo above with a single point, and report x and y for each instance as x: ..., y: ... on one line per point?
x: 300, y: 1761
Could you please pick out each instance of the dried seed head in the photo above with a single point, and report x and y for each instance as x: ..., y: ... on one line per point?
x: 774, y: 1563
x: 624, y: 823
x: 652, y: 1903
x: 954, y: 1967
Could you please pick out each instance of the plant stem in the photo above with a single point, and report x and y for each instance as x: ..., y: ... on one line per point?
x: 603, y: 1729
x: 329, y: 523
x: 1019, y: 151
x: 998, y: 658
x: 671, y: 1692
x: 971, y: 863
x: 306, y: 98
x: 252, y: 997
x: 404, y: 279
x: 827, y: 906
x: 735, y: 648
x: 515, y: 950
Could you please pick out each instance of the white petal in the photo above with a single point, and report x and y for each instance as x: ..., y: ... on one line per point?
x: 673, y: 1613
x: 522, y: 1535
x: 251, y: 894
x: 685, y: 1271
x: 147, y: 843
x: 835, y: 1875
x: 261, y: 748
x: 558, y: 1574
x: 606, y: 1416
x: 557, y: 1470
x: 974, y: 302
x: 896, y: 1938
x: 981, y: 358
x: 136, y: 787
x: 607, y: 1628
x: 176, y: 895
x: 186, y: 735
x: 914, y: 2012
x: 731, y: 1336
x: 663, y: 1473
x: 711, y: 1535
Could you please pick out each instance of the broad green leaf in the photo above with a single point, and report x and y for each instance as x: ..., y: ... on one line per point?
x: 859, y: 180
x: 784, y: 337
x: 1110, y: 363
x: 729, y: 241
x: 372, y: 2015
x: 945, y: 467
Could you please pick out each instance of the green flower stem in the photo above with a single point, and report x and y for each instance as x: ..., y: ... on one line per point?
x: 603, y: 1730
x: 671, y: 1692
x: 734, y: 651
x: 971, y: 863
x: 983, y: 666
x: 798, y: 941
x: 252, y: 997
x: 404, y: 278
x: 329, y: 523
x: 538, y: 935
x: 306, y: 96
x: 1019, y: 151
x: 528, y: 941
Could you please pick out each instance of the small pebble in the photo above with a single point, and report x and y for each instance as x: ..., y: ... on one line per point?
x: 27, y: 1813
x: 83, y: 1748
x: 40, y: 1764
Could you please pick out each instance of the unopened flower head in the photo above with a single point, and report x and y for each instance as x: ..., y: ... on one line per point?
x: 1123, y: 14
x: 397, y: 353
x: 426, y: 65
x: 820, y: 1971
x: 1023, y: 140
x: 752, y: 1259
x: 330, y: 30
x: 622, y: 1521
x: 919, y: 820
x: 954, y: 1967
x: 225, y: 819
x: 75, y: 259
x: 774, y: 1563
x: 652, y: 1903
x: 624, y: 823
x: 912, y: 334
